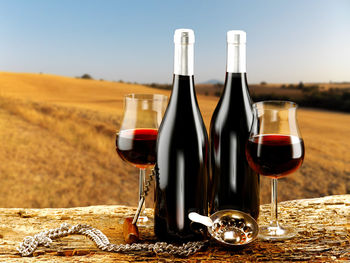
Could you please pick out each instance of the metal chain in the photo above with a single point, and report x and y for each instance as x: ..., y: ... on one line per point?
x: 45, y: 238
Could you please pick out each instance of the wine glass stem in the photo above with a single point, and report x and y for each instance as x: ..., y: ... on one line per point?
x: 274, y: 212
x: 142, y: 181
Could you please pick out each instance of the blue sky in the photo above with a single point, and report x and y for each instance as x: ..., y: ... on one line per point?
x: 287, y: 41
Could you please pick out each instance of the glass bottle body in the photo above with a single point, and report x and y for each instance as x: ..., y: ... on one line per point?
x: 182, y: 165
x: 233, y: 183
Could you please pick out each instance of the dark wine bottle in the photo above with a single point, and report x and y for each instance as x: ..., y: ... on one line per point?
x: 182, y: 153
x: 233, y: 184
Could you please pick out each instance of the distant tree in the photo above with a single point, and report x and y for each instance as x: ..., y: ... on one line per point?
x: 217, y: 93
x: 121, y: 81
x: 263, y: 83
x: 301, y: 85
x: 313, y: 96
x: 219, y: 85
x: 283, y: 86
x: 86, y: 76
x: 313, y: 89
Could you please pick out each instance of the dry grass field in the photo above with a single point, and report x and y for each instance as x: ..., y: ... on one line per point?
x: 58, y: 150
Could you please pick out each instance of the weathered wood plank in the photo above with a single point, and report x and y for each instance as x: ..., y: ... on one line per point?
x: 323, y: 225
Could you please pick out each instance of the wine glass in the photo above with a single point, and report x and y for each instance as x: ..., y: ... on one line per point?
x: 137, y: 137
x: 275, y: 149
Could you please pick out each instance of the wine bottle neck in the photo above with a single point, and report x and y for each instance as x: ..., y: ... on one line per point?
x: 236, y: 58
x: 183, y: 59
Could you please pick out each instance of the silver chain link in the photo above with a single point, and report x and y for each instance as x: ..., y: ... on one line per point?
x: 45, y: 238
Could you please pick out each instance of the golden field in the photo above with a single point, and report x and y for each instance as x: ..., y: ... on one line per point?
x: 58, y: 149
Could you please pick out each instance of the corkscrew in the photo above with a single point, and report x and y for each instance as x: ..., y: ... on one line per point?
x: 130, y: 229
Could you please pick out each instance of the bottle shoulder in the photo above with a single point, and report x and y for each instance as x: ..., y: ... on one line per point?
x: 227, y: 111
x: 229, y: 117
x: 179, y: 124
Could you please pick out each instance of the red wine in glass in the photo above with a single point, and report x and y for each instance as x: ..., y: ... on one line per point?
x: 137, y: 146
x: 137, y: 136
x: 275, y: 155
x: 275, y: 149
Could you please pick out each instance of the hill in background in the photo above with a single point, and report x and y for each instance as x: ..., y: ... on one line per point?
x: 58, y: 145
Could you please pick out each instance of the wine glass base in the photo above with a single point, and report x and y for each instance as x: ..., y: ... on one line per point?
x: 276, y: 233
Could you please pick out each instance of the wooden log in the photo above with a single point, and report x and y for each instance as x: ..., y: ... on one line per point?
x: 323, y: 226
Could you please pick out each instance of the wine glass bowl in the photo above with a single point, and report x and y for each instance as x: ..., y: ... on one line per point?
x: 275, y: 148
x: 136, y: 139
x: 138, y: 146
x: 274, y: 155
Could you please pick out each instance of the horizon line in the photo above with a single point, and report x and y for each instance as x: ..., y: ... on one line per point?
x: 209, y: 81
